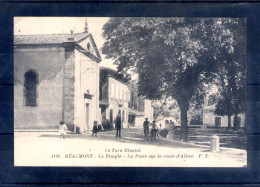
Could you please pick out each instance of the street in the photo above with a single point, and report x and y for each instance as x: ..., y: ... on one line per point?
x: 132, y: 150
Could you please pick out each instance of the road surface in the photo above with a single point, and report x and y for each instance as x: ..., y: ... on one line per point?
x: 132, y: 150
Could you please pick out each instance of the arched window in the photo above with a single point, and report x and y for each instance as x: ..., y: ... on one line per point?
x: 30, y: 88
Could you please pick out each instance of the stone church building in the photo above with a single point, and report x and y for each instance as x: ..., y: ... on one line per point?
x: 56, y: 77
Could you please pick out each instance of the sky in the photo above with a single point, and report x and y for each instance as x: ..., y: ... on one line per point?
x: 59, y: 25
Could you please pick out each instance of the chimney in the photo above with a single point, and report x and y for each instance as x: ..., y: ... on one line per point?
x: 71, y: 37
x: 86, y: 26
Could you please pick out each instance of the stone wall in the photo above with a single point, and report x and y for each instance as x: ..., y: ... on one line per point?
x: 65, y: 75
x: 68, y: 88
x: 48, y: 62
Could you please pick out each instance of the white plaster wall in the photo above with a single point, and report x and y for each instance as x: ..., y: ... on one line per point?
x: 148, y: 109
x: 86, y: 78
x: 139, y: 121
x: 148, y: 112
x: 114, y: 101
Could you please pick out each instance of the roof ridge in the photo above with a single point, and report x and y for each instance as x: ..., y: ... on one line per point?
x: 37, y: 34
x: 48, y: 38
x: 50, y: 34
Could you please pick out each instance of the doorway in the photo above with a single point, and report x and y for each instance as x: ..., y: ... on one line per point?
x: 217, y: 121
x: 123, y: 116
x: 103, y: 114
x: 87, y: 116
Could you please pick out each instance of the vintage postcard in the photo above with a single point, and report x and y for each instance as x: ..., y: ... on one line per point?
x: 130, y: 92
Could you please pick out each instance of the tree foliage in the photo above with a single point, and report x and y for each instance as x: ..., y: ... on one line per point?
x: 172, y: 56
x: 232, y: 76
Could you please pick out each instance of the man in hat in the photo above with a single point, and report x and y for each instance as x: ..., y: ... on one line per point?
x: 118, y: 125
x: 146, y: 126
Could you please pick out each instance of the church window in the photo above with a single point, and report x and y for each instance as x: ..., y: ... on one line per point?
x: 30, y: 88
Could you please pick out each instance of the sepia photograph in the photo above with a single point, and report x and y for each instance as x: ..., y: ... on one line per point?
x: 130, y: 91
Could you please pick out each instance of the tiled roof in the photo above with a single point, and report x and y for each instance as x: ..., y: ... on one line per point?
x: 47, y: 38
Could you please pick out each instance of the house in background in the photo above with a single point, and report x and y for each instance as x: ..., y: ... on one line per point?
x: 56, y: 77
x: 210, y: 119
x: 139, y: 108
x: 117, y: 95
x: 114, y: 97
x: 136, y: 105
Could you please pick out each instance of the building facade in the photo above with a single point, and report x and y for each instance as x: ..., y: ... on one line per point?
x: 56, y: 77
x: 116, y: 95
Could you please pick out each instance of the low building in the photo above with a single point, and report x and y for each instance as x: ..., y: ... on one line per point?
x: 210, y: 119
x: 56, y: 77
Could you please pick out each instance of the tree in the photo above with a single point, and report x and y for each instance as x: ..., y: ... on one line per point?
x: 225, y: 107
x: 232, y: 76
x: 232, y: 100
x: 164, y: 107
x: 172, y: 56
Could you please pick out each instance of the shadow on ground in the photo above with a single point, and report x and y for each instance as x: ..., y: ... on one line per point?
x: 230, y: 139
x: 134, y: 136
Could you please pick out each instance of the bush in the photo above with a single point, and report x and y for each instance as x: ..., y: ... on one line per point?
x: 196, y: 120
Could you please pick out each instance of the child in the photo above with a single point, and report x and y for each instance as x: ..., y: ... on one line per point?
x: 153, y: 131
x: 95, y: 129
x: 62, y: 129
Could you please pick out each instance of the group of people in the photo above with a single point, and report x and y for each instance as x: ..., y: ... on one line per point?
x: 146, y: 124
x: 118, y: 124
x: 154, y: 129
x: 63, y: 129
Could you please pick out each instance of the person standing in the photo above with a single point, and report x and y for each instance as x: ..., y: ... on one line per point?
x: 146, y: 127
x: 95, y: 129
x: 154, y: 131
x: 62, y: 129
x: 118, y: 125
